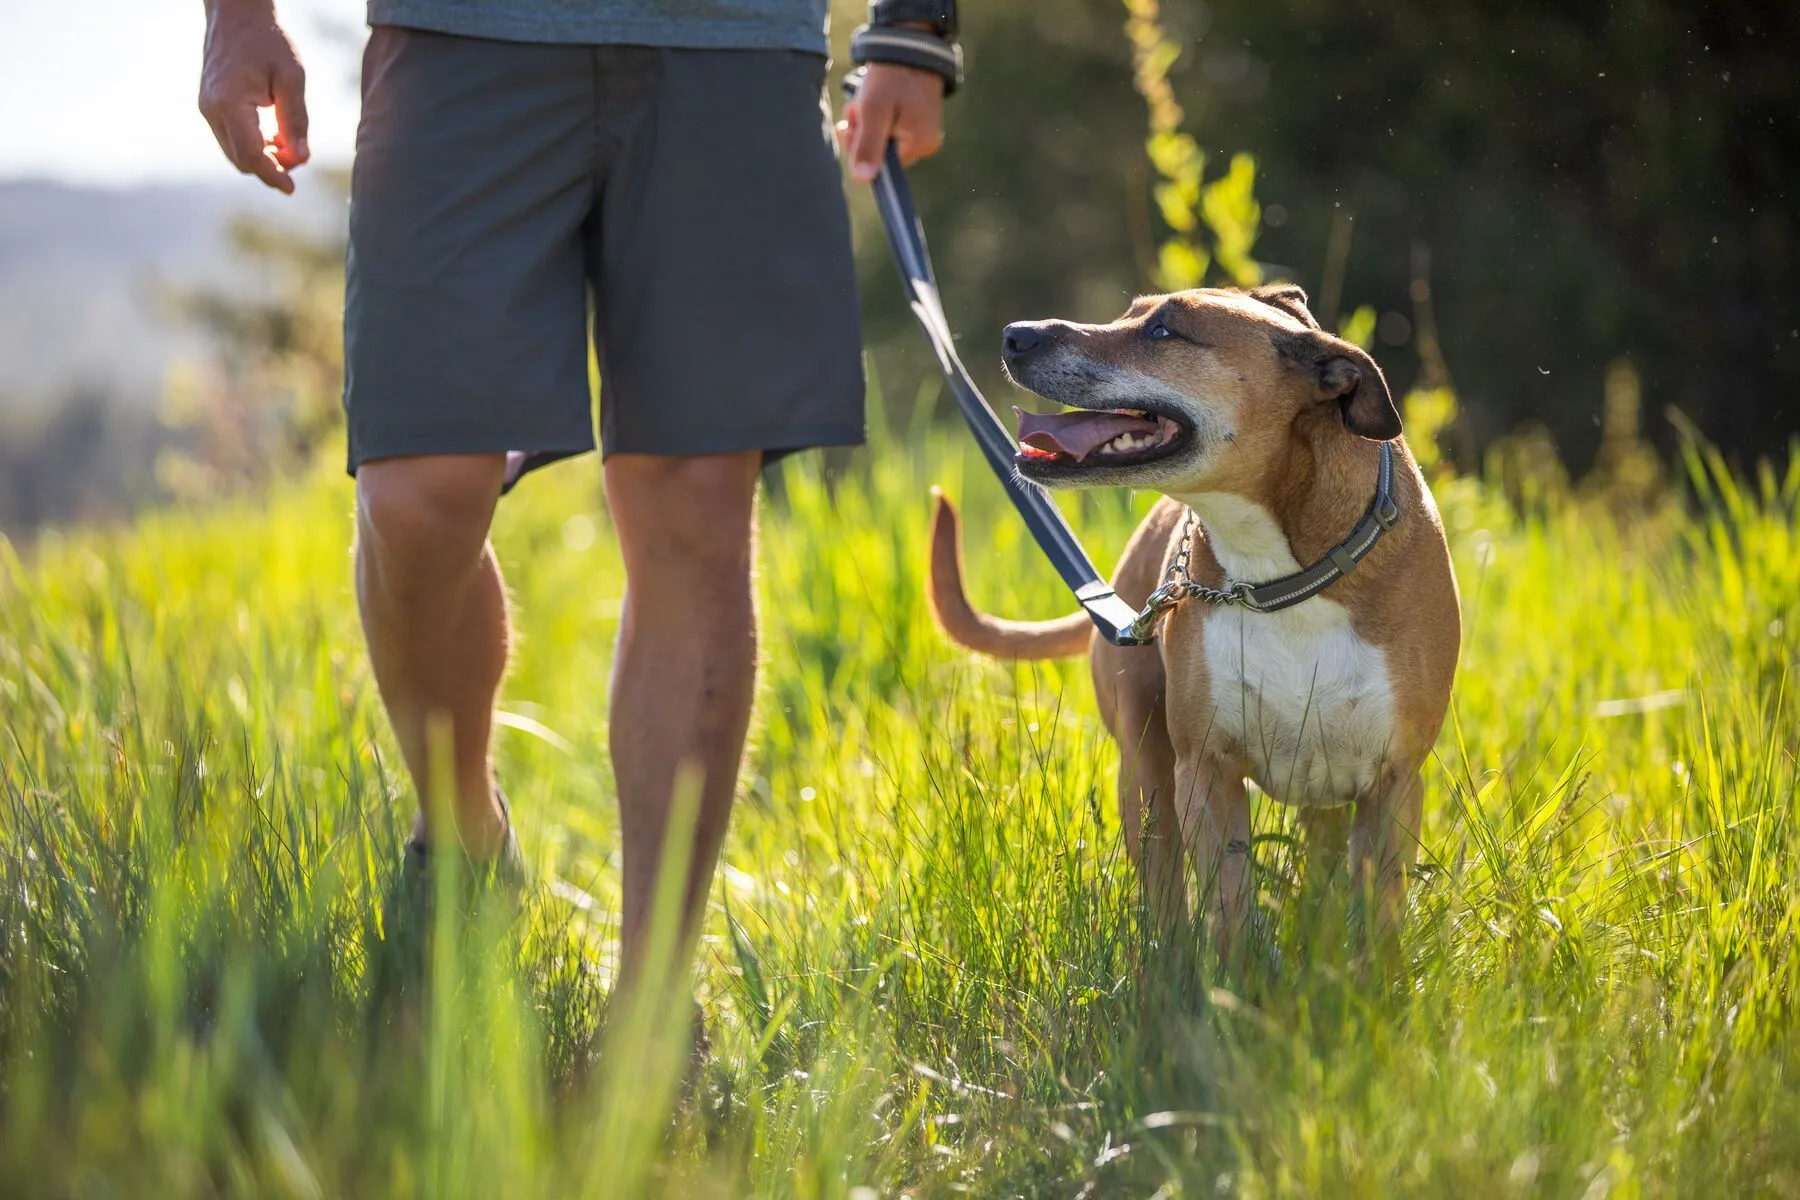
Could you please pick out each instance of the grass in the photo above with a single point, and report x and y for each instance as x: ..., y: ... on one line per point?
x: 927, y: 964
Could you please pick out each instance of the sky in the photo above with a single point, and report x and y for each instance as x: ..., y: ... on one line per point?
x: 103, y: 91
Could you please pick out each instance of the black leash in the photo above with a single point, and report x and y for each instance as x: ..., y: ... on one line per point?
x: 1117, y: 622
x: 1114, y: 618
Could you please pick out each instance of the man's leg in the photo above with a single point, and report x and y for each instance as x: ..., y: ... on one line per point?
x: 685, y: 671
x: 762, y: 353
x: 434, y: 612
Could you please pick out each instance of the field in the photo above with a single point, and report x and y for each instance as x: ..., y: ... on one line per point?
x: 927, y: 967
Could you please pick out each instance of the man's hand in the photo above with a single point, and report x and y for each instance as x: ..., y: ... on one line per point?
x: 249, y: 64
x: 904, y: 104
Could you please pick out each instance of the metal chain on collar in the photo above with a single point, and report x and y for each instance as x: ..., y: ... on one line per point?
x: 1277, y: 594
x: 1179, y: 586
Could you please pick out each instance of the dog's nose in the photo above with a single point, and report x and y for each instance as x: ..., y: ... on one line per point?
x: 1023, y: 337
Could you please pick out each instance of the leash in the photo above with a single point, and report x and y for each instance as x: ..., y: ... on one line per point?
x: 1115, y: 619
x: 1117, y: 622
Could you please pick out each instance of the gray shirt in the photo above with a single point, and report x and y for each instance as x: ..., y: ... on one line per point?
x: 690, y: 24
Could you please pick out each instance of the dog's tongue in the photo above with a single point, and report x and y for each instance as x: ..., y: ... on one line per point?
x: 1079, y: 433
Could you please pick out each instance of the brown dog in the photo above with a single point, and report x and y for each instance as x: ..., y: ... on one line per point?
x: 1238, y: 407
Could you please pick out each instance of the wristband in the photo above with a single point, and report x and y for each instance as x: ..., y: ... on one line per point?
x: 937, y: 15
x: 909, y: 48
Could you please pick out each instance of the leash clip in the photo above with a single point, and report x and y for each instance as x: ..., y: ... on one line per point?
x: 1179, y: 590
x: 1178, y: 587
x: 1169, y: 595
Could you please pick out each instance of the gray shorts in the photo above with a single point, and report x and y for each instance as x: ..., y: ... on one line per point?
x: 692, y: 195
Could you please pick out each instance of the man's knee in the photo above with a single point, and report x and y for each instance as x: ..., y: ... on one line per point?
x: 680, y: 512
x: 425, y: 516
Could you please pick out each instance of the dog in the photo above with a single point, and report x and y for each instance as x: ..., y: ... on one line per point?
x: 1242, y: 411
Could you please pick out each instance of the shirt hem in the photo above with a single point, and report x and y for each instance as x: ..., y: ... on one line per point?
x: 666, y: 34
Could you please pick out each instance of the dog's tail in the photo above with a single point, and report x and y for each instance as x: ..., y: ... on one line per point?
x: 1060, y: 638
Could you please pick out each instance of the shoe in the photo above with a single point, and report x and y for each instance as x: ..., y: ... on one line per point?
x: 506, y: 869
x: 406, y: 910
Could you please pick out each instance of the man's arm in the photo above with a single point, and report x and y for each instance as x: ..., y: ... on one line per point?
x: 249, y: 64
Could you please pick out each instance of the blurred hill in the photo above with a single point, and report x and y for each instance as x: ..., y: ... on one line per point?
x: 84, y: 273
x: 90, y: 328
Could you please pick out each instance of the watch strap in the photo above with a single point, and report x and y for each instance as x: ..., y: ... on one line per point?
x: 909, y: 48
x: 940, y: 15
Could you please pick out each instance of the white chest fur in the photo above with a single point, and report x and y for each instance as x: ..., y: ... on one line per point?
x: 1306, y: 701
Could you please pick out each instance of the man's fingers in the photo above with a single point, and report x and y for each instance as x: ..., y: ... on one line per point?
x: 846, y: 128
x: 869, y: 137
x: 290, y: 116
x: 245, y: 147
x: 917, y: 136
x: 898, y: 104
x: 273, y: 174
x: 219, y: 134
x: 240, y: 135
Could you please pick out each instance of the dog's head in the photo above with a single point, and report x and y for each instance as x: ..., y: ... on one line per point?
x: 1194, y: 391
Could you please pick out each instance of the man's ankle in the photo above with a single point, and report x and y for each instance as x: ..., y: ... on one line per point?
x: 479, y: 830
x: 483, y: 833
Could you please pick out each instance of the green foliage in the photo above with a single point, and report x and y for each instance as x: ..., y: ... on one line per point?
x: 927, y: 964
x: 1209, y: 223
x: 1359, y: 327
x: 1428, y: 412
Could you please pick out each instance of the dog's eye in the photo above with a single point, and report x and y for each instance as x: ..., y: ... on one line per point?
x: 1156, y: 331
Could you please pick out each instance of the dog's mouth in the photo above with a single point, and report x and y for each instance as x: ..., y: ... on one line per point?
x: 1092, y: 438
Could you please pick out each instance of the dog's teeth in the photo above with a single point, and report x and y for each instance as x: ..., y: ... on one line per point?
x: 1127, y: 442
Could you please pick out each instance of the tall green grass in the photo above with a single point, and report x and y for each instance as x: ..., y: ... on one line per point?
x: 927, y: 967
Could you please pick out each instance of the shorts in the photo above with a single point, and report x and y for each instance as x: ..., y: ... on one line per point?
x: 687, y: 202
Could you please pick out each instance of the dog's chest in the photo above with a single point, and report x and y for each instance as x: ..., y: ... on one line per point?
x: 1305, y: 700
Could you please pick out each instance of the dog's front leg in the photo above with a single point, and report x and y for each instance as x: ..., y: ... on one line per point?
x: 1148, y: 820
x: 1325, y: 832
x: 1384, y: 842
x: 1215, y: 826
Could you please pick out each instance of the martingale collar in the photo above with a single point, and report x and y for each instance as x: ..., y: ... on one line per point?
x: 1289, y: 590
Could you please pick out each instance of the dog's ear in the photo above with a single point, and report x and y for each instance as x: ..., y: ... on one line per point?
x: 1290, y: 298
x: 1341, y: 371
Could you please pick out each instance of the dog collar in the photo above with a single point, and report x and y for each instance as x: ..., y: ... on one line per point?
x: 1289, y: 590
